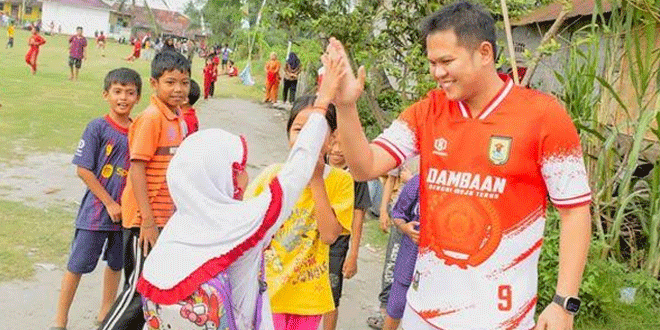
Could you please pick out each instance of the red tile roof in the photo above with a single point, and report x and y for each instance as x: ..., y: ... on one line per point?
x: 551, y: 11
x: 170, y: 21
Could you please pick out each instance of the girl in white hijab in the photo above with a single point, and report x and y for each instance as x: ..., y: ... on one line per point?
x: 205, y: 271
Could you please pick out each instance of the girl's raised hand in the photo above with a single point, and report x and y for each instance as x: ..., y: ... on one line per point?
x: 351, y: 87
x: 334, y: 64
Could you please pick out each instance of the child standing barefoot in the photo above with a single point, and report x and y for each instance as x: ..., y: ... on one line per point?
x: 103, y: 162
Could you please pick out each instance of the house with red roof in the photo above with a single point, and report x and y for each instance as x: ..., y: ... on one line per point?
x: 92, y: 15
x: 141, y: 21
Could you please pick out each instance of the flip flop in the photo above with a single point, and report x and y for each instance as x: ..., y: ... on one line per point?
x: 375, y: 322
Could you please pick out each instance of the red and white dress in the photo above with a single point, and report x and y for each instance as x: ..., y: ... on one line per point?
x: 484, y: 187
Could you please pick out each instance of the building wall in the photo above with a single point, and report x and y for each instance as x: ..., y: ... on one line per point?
x: 34, y: 15
x: 70, y: 17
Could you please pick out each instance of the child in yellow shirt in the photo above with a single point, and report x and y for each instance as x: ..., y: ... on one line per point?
x: 297, y: 260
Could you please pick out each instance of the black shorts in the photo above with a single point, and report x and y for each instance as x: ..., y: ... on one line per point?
x: 77, y: 62
x: 338, y: 252
x: 224, y: 62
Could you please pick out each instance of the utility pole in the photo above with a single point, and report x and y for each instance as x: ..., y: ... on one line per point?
x: 23, y: 13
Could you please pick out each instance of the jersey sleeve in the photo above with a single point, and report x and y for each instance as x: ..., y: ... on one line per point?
x: 342, y: 199
x: 407, y: 200
x: 144, y: 135
x: 561, y: 160
x: 400, y: 140
x: 88, y: 147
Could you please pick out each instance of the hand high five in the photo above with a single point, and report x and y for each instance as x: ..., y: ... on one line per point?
x: 351, y: 87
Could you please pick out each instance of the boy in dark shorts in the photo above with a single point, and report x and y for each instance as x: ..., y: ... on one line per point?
x: 344, y: 251
x: 77, y: 52
x: 102, y: 161
x: 153, y: 138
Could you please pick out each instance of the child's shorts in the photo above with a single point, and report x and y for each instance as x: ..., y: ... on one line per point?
x: 75, y: 62
x: 296, y: 322
x: 338, y: 251
x: 87, y: 246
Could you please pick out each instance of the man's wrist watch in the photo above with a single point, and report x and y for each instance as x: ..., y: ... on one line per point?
x: 570, y: 304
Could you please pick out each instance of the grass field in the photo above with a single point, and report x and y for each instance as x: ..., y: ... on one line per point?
x: 39, y: 235
x: 47, y: 112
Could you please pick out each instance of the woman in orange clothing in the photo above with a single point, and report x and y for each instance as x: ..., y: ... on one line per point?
x: 272, y: 78
x: 34, y: 42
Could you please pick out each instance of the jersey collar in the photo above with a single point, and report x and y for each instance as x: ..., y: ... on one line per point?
x: 162, y: 107
x: 116, y: 126
x: 494, y: 103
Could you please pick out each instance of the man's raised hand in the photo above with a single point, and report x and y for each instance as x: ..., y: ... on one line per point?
x: 351, y: 87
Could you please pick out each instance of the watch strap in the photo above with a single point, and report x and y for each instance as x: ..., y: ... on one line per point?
x: 559, y: 300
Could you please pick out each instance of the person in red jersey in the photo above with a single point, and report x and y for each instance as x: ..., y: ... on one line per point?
x: 491, y: 153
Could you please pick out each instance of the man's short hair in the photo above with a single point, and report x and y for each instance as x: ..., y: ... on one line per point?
x: 79, y: 28
x: 169, y: 61
x: 470, y: 22
x: 123, y: 76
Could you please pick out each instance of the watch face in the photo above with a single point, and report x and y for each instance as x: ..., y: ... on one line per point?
x: 572, y: 304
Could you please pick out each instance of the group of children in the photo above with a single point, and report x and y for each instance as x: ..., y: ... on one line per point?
x: 122, y: 162
x: 211, y: 72
x: 171, y: 213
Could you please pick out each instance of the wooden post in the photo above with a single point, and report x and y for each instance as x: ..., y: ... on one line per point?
x: 509, y: 39
x: 567, y: 7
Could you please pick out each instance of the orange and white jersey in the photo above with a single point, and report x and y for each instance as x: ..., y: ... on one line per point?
x: 485, y: 182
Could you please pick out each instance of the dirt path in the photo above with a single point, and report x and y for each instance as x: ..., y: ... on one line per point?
x: 33, y: 303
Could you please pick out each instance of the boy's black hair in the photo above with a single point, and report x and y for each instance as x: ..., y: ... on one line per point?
x: 193, y: 95
x: 79, y: 28
x: 470, y: 22
x: 169, y: 61
x: 123, y: 76
x: 305, y: 102
x: 36, y: 28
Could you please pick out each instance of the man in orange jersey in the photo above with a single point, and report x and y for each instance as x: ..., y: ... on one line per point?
x: 491, y: 153
x: 146, y: 204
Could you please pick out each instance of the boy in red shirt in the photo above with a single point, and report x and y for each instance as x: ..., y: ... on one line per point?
x: 214, y: 74
x: 35, y: 41
x: 232, y: 71
x: 208, y: 69
x: 187, y: 110
x: 137, y: 46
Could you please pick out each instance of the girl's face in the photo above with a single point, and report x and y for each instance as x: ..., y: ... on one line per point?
x: 298, y: 124
x: 242, y: 180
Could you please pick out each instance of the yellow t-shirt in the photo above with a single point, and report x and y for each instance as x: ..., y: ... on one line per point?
x: 10, y: 31
x: 297, y: 260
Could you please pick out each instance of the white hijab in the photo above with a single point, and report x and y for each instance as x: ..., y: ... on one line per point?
x: 211, y: 228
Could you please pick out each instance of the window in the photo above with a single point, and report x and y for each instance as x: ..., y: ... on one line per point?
x: 28, y: 10
x: 519, y: 47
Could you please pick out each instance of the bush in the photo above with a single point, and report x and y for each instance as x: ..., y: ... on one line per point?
x: 600, y: 288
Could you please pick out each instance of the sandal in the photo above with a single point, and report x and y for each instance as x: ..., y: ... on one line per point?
x: 376, y: 322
